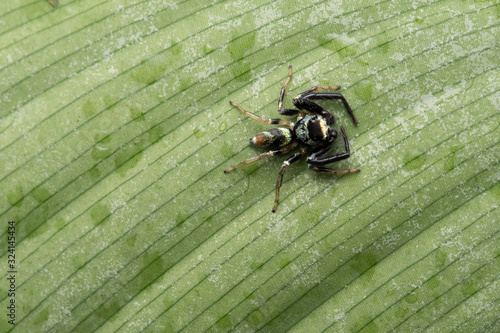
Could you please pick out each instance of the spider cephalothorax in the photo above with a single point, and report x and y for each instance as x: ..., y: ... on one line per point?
x: 311, y: 130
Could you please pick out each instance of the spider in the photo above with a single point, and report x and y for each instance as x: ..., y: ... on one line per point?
x: 311, y: 130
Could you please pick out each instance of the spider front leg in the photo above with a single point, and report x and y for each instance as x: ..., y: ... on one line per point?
x: 302, y: 101
x: 314, y: 160
x: 275, y: 121
x: 332, y: 171
x: 294, y: 158
x: 315, y: 88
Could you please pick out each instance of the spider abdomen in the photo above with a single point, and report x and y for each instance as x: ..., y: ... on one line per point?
x: 274, y: 138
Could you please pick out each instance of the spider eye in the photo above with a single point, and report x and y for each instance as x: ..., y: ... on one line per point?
x: 332, y: 133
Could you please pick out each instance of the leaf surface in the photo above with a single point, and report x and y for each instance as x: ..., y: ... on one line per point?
x: 115, y: 129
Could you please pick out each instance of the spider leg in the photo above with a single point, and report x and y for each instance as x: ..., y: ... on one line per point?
x: 275, y: 121
x: 332, y: 171
x: 286, y: 112
x: 302, y: 101
x: 314, y: 160
x: 281, y: 150
x: 314, y: 108
x: 294, y: 158
x: 315, y: 88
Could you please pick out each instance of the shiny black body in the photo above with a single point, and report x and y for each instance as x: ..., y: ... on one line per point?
x: 311, y: 131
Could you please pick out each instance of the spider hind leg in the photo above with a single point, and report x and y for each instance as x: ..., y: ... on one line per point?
x: 294, y: 158
x: 286, y: 112
x: 271, y: 153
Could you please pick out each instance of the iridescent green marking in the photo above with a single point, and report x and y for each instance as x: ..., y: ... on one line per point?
x: 276, y: 137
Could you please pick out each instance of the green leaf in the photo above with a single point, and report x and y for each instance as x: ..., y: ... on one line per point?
x: 115, y: 129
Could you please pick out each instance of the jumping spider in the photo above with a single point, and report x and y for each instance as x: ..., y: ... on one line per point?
x: 312, y: 129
